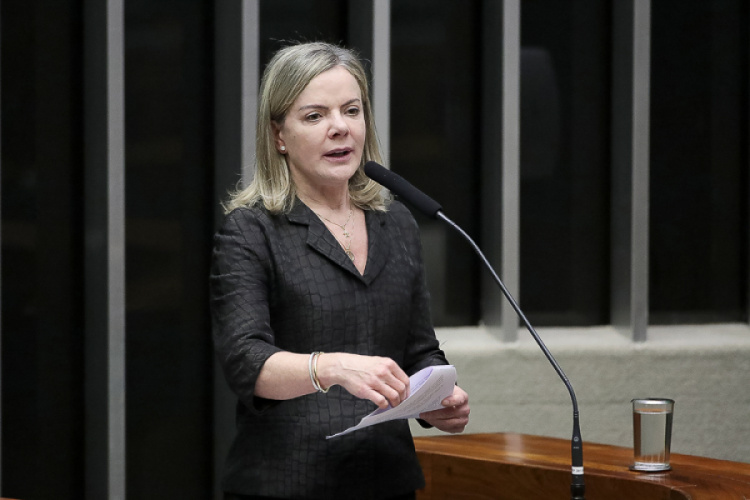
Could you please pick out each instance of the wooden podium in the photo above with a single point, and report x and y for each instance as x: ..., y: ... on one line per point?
x: 523, y: 467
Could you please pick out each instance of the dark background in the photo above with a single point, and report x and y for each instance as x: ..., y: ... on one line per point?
x: 699, y: 197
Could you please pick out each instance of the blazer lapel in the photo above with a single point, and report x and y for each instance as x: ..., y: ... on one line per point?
x: 320, y: 238
x: 378, y: 247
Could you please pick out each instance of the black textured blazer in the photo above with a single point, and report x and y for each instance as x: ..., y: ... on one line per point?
x: 283, y: 282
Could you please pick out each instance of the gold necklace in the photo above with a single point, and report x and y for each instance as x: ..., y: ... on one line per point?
x: 347, y: 234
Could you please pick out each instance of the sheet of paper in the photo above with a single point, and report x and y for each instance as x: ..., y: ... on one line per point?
x: 428, y: 387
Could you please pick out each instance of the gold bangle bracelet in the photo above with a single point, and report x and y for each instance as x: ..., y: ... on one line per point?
x: 310, y: 371
x: 316, y: 380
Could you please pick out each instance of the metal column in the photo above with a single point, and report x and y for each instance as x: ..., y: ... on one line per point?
x: 236, y: 95
x: 104, y: 129
x: 630, y: 166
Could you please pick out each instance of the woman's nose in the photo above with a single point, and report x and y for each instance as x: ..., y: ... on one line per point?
x: 338, y: 125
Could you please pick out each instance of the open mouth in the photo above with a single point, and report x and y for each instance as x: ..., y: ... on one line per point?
x: 338, y: 153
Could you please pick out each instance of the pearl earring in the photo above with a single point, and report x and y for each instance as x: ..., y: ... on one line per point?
x: 282, y: 148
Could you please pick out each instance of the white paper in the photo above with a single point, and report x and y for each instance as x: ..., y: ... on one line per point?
x: 427, y: 389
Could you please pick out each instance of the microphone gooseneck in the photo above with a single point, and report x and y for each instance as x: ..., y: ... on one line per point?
x: 402, y: 188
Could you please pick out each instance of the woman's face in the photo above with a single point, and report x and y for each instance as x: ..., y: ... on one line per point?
x: 324, y: 131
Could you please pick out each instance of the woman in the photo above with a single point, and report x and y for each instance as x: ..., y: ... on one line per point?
x: 318, y: 297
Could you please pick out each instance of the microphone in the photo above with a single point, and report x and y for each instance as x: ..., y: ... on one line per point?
x: 402, y: 188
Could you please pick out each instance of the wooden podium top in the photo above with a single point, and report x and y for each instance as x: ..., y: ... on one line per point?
x: 523, y: 467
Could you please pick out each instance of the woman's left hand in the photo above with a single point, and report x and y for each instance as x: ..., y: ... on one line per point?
x: 454, y: 417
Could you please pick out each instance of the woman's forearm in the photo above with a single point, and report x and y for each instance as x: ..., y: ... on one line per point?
x: 286, y: 375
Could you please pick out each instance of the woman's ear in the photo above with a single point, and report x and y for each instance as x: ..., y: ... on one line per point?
x: 277, y: 140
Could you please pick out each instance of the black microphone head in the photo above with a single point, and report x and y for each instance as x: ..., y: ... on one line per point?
x: 402, y: 188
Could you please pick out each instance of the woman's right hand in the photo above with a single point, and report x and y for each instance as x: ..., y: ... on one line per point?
x: 378, y: 379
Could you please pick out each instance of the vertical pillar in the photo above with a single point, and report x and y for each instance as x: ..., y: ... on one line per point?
x: 630, y: 166
x: 501, y: 161
x: 369, y: 33
x: 381, y: 73
x: 236, y: 94
x: 104, y: 157
x: 511, y: 160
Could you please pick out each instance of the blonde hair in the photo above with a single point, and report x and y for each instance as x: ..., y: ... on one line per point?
x: 284, y: 79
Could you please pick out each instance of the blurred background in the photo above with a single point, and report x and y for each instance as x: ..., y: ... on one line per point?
x: 608, y: 201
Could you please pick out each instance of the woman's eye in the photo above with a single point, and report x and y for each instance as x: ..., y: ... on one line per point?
x: 352, y: 111
x: 313, y: 117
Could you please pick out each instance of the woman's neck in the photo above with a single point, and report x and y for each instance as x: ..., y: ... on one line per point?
x: 329, y: 201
